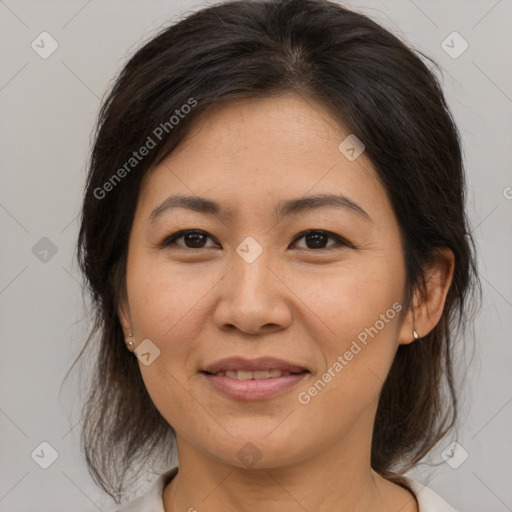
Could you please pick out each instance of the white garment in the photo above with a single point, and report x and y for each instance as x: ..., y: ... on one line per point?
x: 151, y: 501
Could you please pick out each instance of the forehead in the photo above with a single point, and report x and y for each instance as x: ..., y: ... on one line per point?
x: 251, y: 153
x: 284, y: 126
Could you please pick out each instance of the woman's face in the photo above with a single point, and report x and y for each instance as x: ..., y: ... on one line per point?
x: 252, y: 284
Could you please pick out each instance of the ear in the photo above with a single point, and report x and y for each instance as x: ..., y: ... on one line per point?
x: 123, y: 308
x: 428, y: 304
x: 123, y: 312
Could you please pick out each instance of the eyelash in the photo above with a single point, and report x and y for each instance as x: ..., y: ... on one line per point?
x: 341, y: 242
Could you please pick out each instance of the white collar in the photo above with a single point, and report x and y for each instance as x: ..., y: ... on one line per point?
x: 152, y: 501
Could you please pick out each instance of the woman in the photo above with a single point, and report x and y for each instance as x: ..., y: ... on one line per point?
x: 274, y: 237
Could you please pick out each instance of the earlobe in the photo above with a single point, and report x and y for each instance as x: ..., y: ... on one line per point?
x: 124, y: 317
x: 123, y: 312
x: 428, y: 306
x: 409, y: 330
x: 118, y: 284
x: 126, y: 324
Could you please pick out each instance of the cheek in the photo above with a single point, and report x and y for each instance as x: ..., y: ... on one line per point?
x: 167, y: 308
x: 353, y: 297
x: 337, y: 302
x: 359, y: 308
x: 357, y: 350
x: 165, y: 300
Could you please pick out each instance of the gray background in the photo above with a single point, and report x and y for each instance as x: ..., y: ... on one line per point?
x: 48, y: 109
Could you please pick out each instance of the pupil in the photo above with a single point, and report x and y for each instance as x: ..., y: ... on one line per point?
x: 197, y: 238
x: 315, y: 237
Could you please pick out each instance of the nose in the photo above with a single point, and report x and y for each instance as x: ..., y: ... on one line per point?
x: 253, y: 297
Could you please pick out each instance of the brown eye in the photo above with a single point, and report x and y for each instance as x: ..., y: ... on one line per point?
x: 318, y: 239
x: 193, y: 239
x: 315, y: 240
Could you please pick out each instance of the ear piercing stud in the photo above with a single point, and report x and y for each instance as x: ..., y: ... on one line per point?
x: 130, y: 344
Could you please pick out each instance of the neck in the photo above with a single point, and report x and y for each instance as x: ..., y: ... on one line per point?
x: 329, y: 481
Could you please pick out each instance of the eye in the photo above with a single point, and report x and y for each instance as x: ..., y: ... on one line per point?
x: 194, y: 239
x: 318, y: 238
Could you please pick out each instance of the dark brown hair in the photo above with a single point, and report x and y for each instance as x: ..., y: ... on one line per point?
x: 378, y: 88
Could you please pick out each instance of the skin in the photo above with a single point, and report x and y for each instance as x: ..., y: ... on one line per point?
x: 302, y: 302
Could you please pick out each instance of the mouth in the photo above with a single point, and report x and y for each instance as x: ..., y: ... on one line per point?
x: 253, y: 385
x: 273, y: 373
x: 253, y: 379
x: 258, y: 368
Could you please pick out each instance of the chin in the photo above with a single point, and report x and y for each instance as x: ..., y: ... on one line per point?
x: 256, y: 452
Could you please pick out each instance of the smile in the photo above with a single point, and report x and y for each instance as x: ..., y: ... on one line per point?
x: 257, y: 385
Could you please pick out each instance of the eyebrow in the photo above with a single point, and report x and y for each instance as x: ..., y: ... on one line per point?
x: 283, y: 208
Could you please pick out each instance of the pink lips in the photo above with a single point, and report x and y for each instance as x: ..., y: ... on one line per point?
x: 253, y: 389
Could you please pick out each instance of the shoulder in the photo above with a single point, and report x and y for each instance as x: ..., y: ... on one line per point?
x: 151, y: 501
x: 428, y: 500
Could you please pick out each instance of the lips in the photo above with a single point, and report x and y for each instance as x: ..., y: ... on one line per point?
x: 244, y: 367
x: 258, y: 374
